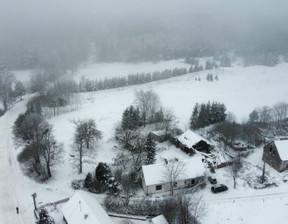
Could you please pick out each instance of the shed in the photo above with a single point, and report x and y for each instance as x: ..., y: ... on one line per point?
x: 275, y: 154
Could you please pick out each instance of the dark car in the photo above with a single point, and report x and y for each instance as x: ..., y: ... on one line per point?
x: 212, y: 180
x: 219, y: 188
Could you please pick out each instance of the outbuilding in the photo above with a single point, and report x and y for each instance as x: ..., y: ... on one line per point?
x: 275, y: 154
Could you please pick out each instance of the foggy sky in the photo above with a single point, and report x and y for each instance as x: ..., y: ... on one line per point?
x: 17, y: 11
x: 27, y: 25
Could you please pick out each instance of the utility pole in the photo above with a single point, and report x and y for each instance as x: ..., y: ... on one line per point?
x: 263, y: 173
x: 34, y: 200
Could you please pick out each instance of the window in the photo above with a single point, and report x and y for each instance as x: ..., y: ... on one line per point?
x: 175, y: 184
x: 193, y: 181
x: 270, y: 149
x: 274, y: 153
x: 158, y: 187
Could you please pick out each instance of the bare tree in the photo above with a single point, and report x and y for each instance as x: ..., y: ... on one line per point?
x: 85, y: 133
x: 6, y: 90
x: 265, y: 114
x: 191, y: 208
x: 174, y: 169
x: 126, y: 137
x: 229, y: 131
x: 169, y: 121
x: 121, y: 160
x: 139, y: 153
x: 127, y: 189
x: 51, y: 151
x: 235, y: 168
x: 280, y: 111
x: 198, y: 208
x: 148, y: 103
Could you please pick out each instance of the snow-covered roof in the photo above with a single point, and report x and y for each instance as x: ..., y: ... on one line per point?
x: 155, y: 174
x: 190, y: 138
x: 160, y: 219
x: 84, y: 209
x: 158, y: 132
x: 282, y: 147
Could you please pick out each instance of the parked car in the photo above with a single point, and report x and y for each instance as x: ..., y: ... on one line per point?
x: 212, y: 180
x: 219, y: 188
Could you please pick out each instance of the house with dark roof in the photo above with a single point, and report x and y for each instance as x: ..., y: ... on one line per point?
x: 275, y: 154
x: 189, y: 141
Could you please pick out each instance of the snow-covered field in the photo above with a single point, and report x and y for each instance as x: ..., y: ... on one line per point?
x: 240, y: 89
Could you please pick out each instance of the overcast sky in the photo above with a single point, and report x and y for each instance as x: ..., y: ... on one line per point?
x: 61, y: 10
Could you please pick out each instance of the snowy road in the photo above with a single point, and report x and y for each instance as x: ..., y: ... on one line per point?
x: 12, y: 192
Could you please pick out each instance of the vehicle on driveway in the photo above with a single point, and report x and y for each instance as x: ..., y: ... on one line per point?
x: 212, y: 180
x: 219, y: 188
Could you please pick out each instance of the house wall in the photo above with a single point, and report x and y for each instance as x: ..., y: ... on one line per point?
x: 166, y: 186
x: 271, y: 156
x: 184, y: 148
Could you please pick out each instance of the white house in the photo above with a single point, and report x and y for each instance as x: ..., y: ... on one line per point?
x: 154, y: 177
x: 84, y: 209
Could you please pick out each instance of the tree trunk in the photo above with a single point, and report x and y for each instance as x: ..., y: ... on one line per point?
x: 48, y: 169
x: 263, y: 173
x: 234, y: 179
x: 80, y: 158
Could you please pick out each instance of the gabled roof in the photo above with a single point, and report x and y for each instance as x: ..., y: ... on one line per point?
x: 84, y: 209
x: 155, y: 174
x: 160, y: 219
x: 189, y: 138
x: 282, y: 147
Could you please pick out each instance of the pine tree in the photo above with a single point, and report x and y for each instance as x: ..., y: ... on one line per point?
x: 150, y: 149
x: 130, y: 118
x: 88, y: 180
x: 44, y: 217
x: 194, y: 117
x: 102, y: 172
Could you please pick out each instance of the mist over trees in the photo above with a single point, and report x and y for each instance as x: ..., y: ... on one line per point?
x: 136, y: 32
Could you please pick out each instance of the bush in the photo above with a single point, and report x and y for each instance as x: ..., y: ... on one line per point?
x: 44, y: 217
x: 77, y: 184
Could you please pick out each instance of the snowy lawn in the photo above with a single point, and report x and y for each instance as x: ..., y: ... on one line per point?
x: 240, y: 89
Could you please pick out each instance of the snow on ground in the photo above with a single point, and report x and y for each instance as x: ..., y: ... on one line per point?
x: 110, y: 70
x: 15, y: 188
x: 241, y: 89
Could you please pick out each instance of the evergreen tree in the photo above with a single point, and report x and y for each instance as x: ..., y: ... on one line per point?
x: 102, y: 172
x: 159, y: 116
x: 19, y: 89
x: 130, y: 118
x: 194, y: 117
x: 44, y: 217
x: 88, y: 180
x: 150, y: 149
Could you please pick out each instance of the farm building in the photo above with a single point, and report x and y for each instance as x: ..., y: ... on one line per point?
x: 275, y: 154
x: 154, y: 177
x: 189, y: 142
x: 84, y: 209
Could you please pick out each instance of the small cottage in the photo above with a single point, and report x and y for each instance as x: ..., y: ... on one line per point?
x: 82, y: 208
x: 275, y: 154
x: 154, y: 178
x: 189, y: 142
